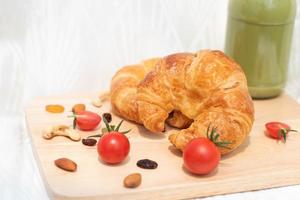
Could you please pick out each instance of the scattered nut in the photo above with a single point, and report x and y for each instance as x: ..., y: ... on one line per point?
x: 97, y: 103
x: 50, y: 131
x: 89, y: 142
x: 132, y: 180
x: 78, y: 107
x: 72, y: 134
x: 66, y: 164
x: 104, y: 96
x: 61, y: 130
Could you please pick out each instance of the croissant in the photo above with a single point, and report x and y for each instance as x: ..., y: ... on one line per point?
x: 123, y: 89
x: 207, y: 87
x: 123, y: 93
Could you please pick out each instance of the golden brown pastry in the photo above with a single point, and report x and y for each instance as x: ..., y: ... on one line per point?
x: 207, y: 87
x: 124, y: 87
x: 178, y: 120
x: 124, y: 93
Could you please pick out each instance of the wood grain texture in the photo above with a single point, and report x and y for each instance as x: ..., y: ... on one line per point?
x: 258, y: 164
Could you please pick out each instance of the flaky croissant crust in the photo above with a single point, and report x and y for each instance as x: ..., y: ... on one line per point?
x: 207, y: 87
x: 123, y: 93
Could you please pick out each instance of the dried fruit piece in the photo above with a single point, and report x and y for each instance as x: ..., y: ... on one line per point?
x: 107, y: 116
x: 89, y: 142
x: 78, y: 107
x: 133, y: 180
x: 66, y: 164
x: 147, y: 164
x: 55, y: 108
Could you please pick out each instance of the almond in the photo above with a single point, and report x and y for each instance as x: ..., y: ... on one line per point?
x: 133, y: 180
x: 66, y: 164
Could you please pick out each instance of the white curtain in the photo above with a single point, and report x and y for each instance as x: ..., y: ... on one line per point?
x: 56, y: 47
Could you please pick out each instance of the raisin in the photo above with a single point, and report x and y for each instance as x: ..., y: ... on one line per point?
x: 147, y: 164
x: 89, y: 142
x: 107, y: 116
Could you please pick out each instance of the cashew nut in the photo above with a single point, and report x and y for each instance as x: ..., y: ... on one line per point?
x: 98, y: 102
x: 104, y: 96
x: 73, y: 134
x: 61, y: 130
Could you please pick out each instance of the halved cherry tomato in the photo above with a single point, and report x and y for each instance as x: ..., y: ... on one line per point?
x: 86, y: 120
x: 278, y: 130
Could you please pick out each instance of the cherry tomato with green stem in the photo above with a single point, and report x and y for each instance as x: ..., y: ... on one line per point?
x: 201, y: 155
x: 113, y: 146
x: 86, y: 120
x: 278, y: 130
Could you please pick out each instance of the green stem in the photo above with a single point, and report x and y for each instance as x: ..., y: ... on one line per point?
x: 74, y: 123
x: 97, y: 135
x: 118, y: 127
x: 292, y: 130
x: 282, y: 132
x: 124, y: 132
x: 106, y: 124
x: 213, y: 136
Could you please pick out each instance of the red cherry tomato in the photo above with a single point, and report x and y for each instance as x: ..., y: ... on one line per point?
x: 278, y: 130
x: 113, y: 147
x: 87, y: 120
x: 201, y: 156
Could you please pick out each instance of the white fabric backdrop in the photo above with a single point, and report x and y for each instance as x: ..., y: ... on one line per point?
x: 55, y: 47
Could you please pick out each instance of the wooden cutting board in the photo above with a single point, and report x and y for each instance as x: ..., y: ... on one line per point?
x: 259, y: 163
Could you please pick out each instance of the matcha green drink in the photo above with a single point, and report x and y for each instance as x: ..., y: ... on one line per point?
x: 259, y: 35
